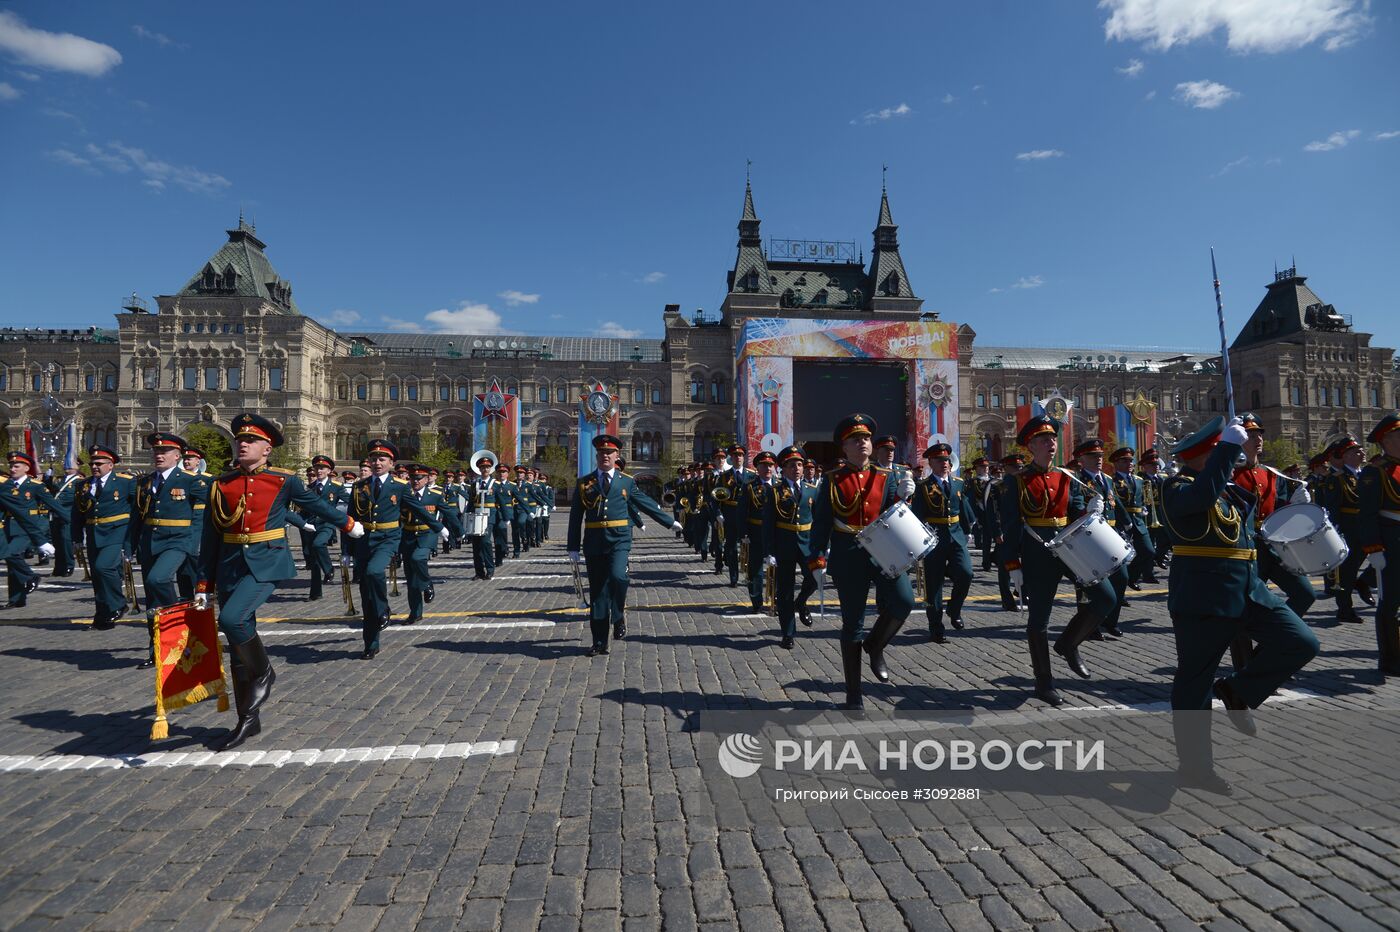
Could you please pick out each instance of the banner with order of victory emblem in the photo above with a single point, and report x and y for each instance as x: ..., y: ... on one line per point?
x: 496, y: 420
x: 1132, y: 425
x: 597, y: 414
x: 189, y: 661
x: 1061, y: 409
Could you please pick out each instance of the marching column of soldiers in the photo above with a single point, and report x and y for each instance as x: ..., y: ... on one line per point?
x: 777, y: 529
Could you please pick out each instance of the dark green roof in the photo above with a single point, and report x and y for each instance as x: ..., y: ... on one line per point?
x: 1285, y: 312
x: 240, y: 267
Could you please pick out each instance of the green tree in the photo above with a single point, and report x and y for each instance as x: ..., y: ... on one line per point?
x: 554, y: 460
x: 673, y: 457
x: 215, y: 446
x: 1281, y: 452
x: 291, y: 454
x: 431, y: 452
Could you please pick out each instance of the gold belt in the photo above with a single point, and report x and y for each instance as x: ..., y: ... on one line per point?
x: 36, y: 511
x: 794, y: 527
x: 381, y: 525
x: 169, y: 522
x: 254, y: 537
x: 756, y: 522
x: 487, y: 505
x: 111, y: 518
x: 940, y: 520
x: 1350, y: 511
x: 198, y: 507
x: 1047, y: 522
x: 1223, y: 553
x: 416, y: 527
x: 603, y: 524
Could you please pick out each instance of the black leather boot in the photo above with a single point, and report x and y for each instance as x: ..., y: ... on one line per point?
x: 875, y: 643
x: 260, y: 674
x: 249, y: 722
x: 1388, y: 642
x: 1040, y: 663
x: 850, y: 665
x: 936, y: 633
x: 1241, y: 649
x: 1083, y: 624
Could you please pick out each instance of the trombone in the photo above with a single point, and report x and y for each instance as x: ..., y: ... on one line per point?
x: 394, y: 574
x: 770, y: 588
x: 129, y: 584
x: 345, y: 584
x: 579, y: 591
x: 744, y: 559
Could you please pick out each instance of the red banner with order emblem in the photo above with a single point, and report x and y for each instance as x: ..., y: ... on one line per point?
x: 189, y: 661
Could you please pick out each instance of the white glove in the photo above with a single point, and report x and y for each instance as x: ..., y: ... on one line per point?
x: 1377, y: 560
x: 573, y: 556
x: 1301, y: 497
x: 678, y: 528
x: 719, y: 520
x: 905, y: 488
x: 309, y: 528
x: 46, y: 549
x: 445, y: 534
x: 1235, y: 433
x: 770, y: 560
x: 357, y: 530
x: 1096, y: 504
x: 201, y: 601
x: 641, y: 525
x: 1018, y: 581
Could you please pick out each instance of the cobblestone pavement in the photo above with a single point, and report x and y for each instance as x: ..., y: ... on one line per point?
x: 482, y: 773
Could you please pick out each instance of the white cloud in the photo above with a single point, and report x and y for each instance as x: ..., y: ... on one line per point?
x: 159, y: 38
x: 59, y: 114
x: 56, y: 51
x: 1337, y: 140
x: 875, y: 116
x: 513, y: 297
x: 156, y: 173
x: 27, y: 75
x: 1033, y: 281
x: 1231, y: 166
x: 1388, y: 134
x: 1150, y: 95
x: 1250, y: 25
x: 948, y: 98
x: 467, y: 317
x: 341, y: 317
x: 8, y: 91
x: 613, y: 329
x: 651, y: 278
x: 1204, y: 95
x: 1036, y: 155
x: 556, y: 316
x: 68, y: 157
x: 1132, y: 69
x: 995, y: 290
x: 402, y: 326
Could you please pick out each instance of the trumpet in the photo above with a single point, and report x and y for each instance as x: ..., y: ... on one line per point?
x: 770, y: 589
x: 81, y: 554
x: 579, y: 591
x: 920, y: 588
x: 668, y: 498
x: 719, y: 530
x: 721, y: 495
x: 129, y: 584
x: 744, y: 559
x: 394, y: 574
x: 345, y: 584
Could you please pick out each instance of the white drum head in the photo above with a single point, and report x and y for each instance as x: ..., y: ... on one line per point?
x: 1294, y: 522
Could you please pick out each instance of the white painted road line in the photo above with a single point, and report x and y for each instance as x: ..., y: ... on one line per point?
x: 279, y: 758
x: 399, y: 628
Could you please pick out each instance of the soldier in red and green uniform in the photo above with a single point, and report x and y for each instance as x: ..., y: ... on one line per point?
x: 848, y: 499
x: 244, y: 555
x: 1342, y: 499
x: 1378, y: 533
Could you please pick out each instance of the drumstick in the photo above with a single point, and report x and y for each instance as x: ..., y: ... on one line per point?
x: 1281, y: 475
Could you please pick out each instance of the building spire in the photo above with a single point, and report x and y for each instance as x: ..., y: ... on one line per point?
x: 748, y: 221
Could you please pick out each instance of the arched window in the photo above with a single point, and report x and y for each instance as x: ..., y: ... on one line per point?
x: 656, y: 393
x: 718, y: 393
x: 697, y: 389
x: 1253, y: 398
x: 394, y: 390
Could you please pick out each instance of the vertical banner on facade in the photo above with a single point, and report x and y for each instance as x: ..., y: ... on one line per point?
x: 764, y: 357
x: 1132, y: 425
x: 496, y: 423
x: 597, y: 414
x: 1062, y: 410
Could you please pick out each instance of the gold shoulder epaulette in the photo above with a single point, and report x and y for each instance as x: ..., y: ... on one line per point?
x: 280, y: 471
x: 125, y: 475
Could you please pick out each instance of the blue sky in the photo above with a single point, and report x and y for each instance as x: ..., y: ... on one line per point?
x: 1058, y: 170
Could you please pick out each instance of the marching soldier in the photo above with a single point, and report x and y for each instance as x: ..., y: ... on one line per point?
x: 64, y: 493
x: 1215, y: 594
x: 481, y: 496
x: 1288, y: 491
x: 753, y: 517
x: 550, y: 499
x: 724, y: 503
x: 1259, y: 481
x: 24, y: 501
x: 791, y: 538
x: 420, y: 531
x: 977, y: 486
x: 600, y: 532
x: 848, y: 499
x: 244, y: 555
x: 706, y: 538
x: 316, y: 535
x: 164, y: 524
x: 1343, y: 503
x: 102, y: 527
x: 192, y: 460
x: 505, y: 512
x: 1115, y: 513
x: 451, y: 513
x: 1011, y: 465
x: 380, y: 503
x: 943, y: 503
x: 1152, y: 480
x: 1132, y: 496
x: 524, y: 506
x: 1378, y: 533
x: 1037, y: 503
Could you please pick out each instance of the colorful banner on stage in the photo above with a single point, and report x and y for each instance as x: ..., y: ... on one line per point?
x: 764, y: 362
x: 1062, y: 410
x: 496, y: 416
x: 597, y: 414
x: 190, y: 666
x: 1133, y: 424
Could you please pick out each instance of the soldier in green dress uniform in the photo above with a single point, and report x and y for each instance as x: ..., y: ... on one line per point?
x: 1342, y: 499
x: 1131, y: 494
x: 753, y: 519
x: 102, y: 526
x: 1378, y: 533
x: 848, y: 499
x: 942, y: 501
x: 506, y: 502
x: 977, y: 485
x: 792, y: 543
x: 600, y: 533
x: 1215, y: 594
x: 192, y: 461
x: 65, y: 491
x: 26, y: 505
x: 420, y: 532
x: 164, y: 524
x: 316, y: 535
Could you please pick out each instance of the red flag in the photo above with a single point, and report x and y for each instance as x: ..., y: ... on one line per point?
x: 189, y: 661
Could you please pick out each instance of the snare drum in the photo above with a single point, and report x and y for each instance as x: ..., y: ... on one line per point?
x: 1304, y: 540
x: 896, y: 540
x: 477, y: 522
x: 1091, y: 550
